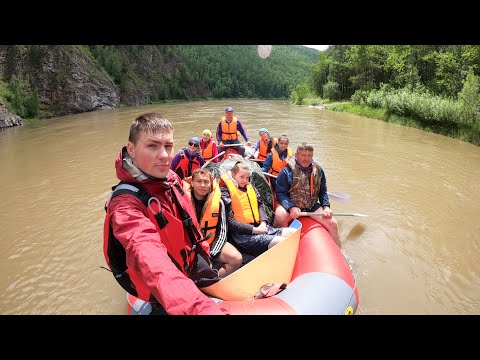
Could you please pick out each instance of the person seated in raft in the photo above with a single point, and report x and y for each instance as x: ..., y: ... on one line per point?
x: 188, y: 159
x: 263, y: 146
x: 278, y: 158
x: 248, y: 227
x: 205, y: 194
x: 302, y: 187
x: 145, y: 242
x: 208, y: 147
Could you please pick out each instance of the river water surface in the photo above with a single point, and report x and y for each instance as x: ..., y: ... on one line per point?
x: 417, y: 252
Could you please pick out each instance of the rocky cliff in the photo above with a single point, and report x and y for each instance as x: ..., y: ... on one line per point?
x: 66, y: 78
x: 8, y: 119
x: 41, y: 81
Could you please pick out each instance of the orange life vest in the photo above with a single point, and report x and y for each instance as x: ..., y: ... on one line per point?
x: 210, y: 211
x: 207, y: 153
x: 277, y: 163
x: 229, y: 130
x: 244, y: 204
x: 263, y: 150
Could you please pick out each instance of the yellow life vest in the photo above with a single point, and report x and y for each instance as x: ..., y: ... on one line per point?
x: 244, y: 204
x: 277, y: 163
x: 229, y: 131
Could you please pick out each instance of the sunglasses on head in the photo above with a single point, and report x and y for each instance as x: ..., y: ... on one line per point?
x: 192, y: 144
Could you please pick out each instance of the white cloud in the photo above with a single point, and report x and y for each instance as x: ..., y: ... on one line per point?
x: 318, y: 47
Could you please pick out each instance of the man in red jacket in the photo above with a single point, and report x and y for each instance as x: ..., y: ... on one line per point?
x: 152, y: 240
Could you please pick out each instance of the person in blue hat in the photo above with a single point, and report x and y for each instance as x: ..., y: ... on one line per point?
x: 263, y: 146
x: 227, y: 132
x: 188, y: 159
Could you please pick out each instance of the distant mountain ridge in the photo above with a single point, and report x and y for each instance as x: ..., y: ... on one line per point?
x: 65, y: 79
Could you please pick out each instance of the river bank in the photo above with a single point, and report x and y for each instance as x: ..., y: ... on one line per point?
x: 454, y: 130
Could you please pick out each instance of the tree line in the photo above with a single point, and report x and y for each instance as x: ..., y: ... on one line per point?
x: 213, y: 71
x: 433, y: 87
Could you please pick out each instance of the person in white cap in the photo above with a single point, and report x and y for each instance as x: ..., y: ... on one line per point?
x: 208, y: 147
x: 227, y: 132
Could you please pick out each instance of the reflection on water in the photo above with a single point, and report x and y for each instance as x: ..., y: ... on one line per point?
x: 416, y: 253
x: 355, y: 232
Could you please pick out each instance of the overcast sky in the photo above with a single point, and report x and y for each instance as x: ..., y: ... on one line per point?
x: 318, y: 47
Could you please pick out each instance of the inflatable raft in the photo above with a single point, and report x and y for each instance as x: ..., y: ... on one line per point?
x: 308, y: 269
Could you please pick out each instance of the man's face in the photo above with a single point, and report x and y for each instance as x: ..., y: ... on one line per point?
x: 229, y: 115
x: 304, y: 157
x: 201, y: 185
x: 153, y: 153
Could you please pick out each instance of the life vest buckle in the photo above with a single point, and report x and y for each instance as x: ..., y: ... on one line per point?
x: 161, y: 219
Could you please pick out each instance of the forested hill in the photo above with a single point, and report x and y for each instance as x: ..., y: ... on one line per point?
x: 38, y: 81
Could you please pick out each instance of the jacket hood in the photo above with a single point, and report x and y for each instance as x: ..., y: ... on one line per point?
x: 127, y: 171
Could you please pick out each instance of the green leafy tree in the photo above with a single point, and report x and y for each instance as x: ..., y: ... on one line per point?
x: 331, y: 90
x: 24, y: 101
x: 302, y: 92
x: 469, y: 97
x: 320, y: 73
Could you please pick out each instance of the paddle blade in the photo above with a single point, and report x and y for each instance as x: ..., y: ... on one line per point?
x: 342, y: 197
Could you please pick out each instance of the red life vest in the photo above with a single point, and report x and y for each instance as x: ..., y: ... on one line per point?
x: 171, y: 230
x: 186, y: 166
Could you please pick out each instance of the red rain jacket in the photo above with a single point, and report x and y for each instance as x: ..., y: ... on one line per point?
x: 146, y: 256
